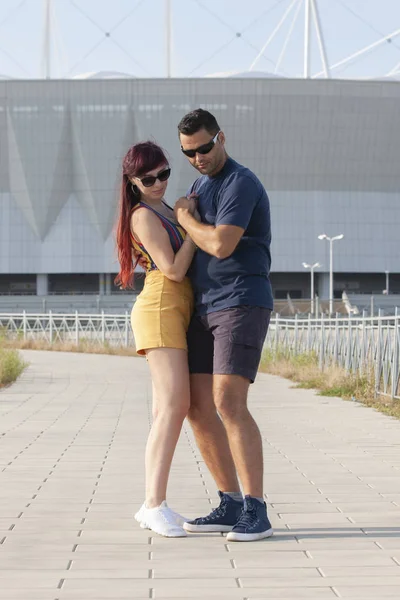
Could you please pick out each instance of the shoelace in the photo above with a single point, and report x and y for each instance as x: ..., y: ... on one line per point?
x: 247, y: 517
x: 217, y: 512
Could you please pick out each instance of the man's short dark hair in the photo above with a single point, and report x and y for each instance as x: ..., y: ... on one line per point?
x: 196, y: 120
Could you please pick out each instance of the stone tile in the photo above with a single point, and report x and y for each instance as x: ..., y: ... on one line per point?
x: 20, y: 593
x: 310, y: 508
x: 361, y: 571
x: 68, y: 595
x: 333, y: 517
x: 209, y: 573
x: 113, y: 536
x: 354, y: 558
x: 340, y: 543
x: 281, y: 559
x: 135, y: 572
x: 20, y: 563
x: 29, y: 580
x: 134, y: 586
x: 65, y: 537
x: 364, y: 592
x: 141, y: 543
x: 284, y: 593
x: 332, y: 482
x: 389, y: 542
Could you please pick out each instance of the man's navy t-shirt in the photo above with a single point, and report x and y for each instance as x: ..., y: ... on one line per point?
x: 234, y: 196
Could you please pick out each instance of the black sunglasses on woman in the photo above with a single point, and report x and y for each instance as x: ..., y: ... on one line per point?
x: 150, y: 180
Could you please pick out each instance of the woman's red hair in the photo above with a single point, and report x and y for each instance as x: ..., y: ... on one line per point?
x: 140, y: 159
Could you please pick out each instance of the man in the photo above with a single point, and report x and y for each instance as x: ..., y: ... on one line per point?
x: 230, y: 277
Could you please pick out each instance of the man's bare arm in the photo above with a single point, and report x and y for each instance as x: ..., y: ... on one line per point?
x: 219, y: 241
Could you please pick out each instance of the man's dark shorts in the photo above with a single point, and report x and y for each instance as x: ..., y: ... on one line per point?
x: 228, y: 341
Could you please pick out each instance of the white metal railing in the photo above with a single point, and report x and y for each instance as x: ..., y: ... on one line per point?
x: 359, y: 344
x: 75, y: 328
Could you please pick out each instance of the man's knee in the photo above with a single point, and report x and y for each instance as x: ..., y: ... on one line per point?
x: 230, y: 409
x: 230, y: 396
x: 201, y: 411
x: 202, y: 405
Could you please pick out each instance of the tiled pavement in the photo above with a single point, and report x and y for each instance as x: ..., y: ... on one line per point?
x: 72, y: 437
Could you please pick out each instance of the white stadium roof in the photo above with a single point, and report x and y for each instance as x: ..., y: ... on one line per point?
x: 249, y: 74
x: 104, y: 75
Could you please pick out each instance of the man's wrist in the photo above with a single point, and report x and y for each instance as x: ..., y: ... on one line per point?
x: 181, y: 215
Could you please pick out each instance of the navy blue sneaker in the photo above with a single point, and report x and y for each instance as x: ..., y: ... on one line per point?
x: 222, y: 518
x: 253, y: 523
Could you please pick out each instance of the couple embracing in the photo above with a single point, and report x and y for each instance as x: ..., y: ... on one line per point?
x: 201, y: 320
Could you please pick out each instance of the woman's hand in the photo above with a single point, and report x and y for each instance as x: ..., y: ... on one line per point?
x: 139, y: 259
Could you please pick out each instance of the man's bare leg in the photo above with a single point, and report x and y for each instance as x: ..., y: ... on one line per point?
x: 210, y: 433
x: 230, y: 397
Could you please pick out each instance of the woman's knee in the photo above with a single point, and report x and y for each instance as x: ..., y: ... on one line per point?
x: 174, y: 409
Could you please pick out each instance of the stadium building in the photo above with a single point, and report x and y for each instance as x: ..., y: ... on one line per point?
x: 327, y: 152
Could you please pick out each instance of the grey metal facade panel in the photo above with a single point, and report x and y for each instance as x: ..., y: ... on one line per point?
x: 327, y: 151
x: 370, y: 223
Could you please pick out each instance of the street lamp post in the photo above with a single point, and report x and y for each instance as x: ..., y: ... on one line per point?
x: 387, y: 282
x: 323, y: 236
x: 312, y: 267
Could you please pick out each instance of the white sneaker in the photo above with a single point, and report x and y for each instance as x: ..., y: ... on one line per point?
x: 161, y: 520
x: 179, y: 519
x: 139, y: 515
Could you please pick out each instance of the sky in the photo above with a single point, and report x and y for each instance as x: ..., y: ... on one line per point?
x: 208, y: 37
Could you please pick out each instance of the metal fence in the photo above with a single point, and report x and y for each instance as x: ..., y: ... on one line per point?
x: 359, y: 344
x: 73, y: 328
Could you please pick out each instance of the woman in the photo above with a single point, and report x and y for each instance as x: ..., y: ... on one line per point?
x: 160, y: 316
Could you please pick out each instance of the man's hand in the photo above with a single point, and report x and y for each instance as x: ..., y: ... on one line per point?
x: 197, y: 216
x: 184, y: 205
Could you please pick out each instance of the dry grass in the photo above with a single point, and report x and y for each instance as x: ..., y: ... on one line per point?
x: 11, y: 366
x: 84, y: 346
x: 332, y: 381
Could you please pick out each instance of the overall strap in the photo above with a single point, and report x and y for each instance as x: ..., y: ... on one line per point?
x: 172, y: 229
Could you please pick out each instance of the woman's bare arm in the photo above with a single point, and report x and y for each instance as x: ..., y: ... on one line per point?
x: 147, y: 227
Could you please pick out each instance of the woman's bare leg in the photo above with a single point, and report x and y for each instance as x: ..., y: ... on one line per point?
x: 170, y: 377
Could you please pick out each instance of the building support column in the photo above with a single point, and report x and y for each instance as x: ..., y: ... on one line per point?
x: 108, y: 284
x: 323, y: 286
x: 42, y: 284
x: 102, y: 284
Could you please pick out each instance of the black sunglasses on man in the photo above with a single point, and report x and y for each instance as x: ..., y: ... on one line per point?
x: 204, y: 149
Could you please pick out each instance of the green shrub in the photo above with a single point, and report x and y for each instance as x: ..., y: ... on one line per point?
x: 11, y: 366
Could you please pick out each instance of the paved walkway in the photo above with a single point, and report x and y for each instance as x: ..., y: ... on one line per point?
x: 72, y: 438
